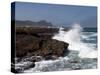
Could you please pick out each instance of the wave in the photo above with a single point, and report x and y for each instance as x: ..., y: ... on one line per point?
x: 73, y: 37
x: 81, y: 56
x: 50, y: 65
x: 87, y: 35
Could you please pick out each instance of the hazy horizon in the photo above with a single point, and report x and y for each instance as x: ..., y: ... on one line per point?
x: 61, y: 15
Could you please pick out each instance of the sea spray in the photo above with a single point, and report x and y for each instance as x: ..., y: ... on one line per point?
x: 73, y: 37
x: 81, y: 56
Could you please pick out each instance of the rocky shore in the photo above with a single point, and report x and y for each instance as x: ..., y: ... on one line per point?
x: 38, y: 44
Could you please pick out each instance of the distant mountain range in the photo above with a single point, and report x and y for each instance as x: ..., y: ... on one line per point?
x: 90, y: 22
x: 41, y: 23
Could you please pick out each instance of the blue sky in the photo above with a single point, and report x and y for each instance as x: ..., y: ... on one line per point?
x: 56, y: 14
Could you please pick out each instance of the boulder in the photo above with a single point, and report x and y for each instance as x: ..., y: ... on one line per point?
x: 51, y: 57
x: 53, y: 47
x: 39, y: 45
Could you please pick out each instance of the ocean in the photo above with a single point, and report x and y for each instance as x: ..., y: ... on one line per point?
x: 82, y: 52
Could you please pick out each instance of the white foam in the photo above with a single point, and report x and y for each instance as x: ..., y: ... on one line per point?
x: 73, y: 37
x: 88, y: 35
x: 50, y: 65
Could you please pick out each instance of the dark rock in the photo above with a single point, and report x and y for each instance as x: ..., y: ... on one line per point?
x: 26, y: 44
x: 36, y: 58
x: 19, y: 70
x: 50, y: 57
x: 53, y: 47
x: 74, y: 61
x: 30, y: 66
x: 38, y: 45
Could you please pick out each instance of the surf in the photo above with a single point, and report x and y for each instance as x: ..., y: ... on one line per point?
x: 73, y: 37
x: 81, y: 55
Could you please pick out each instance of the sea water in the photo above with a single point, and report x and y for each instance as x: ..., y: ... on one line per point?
x: 82, y: 55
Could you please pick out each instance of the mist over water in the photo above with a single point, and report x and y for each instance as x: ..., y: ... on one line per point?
x: 74, y: 37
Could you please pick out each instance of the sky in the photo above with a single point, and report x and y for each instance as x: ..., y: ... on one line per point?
x: 56, y: 14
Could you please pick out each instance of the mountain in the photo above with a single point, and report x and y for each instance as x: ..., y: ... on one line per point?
x: 41, y: 23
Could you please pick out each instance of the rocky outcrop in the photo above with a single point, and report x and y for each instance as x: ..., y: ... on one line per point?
x: 39, y: 45
x: 34, y: 45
